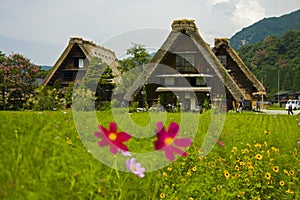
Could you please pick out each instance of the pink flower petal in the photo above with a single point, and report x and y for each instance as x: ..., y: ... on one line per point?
x: 169, y: 154
x: 160, y: 131
x: 113, y: 127
x: 113, y: 149
x: 122, y: 136
x: 121, y: 146
x: 177, y: 151
x: 100, y: 135
x: 183, y: 142
x: 158, y: 144
x: 103, y: 143
x: 173, y: 130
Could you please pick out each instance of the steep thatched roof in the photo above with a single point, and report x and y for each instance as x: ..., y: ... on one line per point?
x: 189, y: 29
x: 233, y: 54
x: 89, y: 50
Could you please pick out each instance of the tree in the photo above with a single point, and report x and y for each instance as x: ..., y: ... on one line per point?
x: 17, y: 79
x: 137, y: 56
x: 99, y: 78
x: 133, y: 66
x: 272, y: 57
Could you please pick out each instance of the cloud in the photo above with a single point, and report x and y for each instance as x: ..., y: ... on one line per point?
x: 247, y: 13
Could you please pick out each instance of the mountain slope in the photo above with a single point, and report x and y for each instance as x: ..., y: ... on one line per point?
x: 275, y: 60
x: 274, y: 26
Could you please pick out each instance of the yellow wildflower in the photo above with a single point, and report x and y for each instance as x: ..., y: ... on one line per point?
x: 169, y: 169
x: 289, y: 191
x: 214, y: 189
x: 237, y: 168
x: 250, y: 168
x: 257, y: 145
x: 258, y: 157
x: 286, y: 172
x: 162, y: 195
x: 276, y: 169
x: 69, y: 142
x: 241, y: 193
x: 194, y: 169
x: 268, y: 176
x: 292, y: 172
x: 189, y: 173
x: 281, y: 183
x: 226, y: 174
x: 267, y: 132
x: 234, y: 150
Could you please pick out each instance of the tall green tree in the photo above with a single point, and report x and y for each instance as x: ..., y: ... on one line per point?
x: 137, y: 55
x: 132, y: 66
x: 99, y: 78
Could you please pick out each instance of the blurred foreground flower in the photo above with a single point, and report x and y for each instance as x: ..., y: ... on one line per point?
x: 112, y: 138
x: 167, y: 142
x: 135, y: 167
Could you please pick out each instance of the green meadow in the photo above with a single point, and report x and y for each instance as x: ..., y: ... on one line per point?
x: 256, y: 157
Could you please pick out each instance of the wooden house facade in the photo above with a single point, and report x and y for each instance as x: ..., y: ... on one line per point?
x: 186, y: 71
x: 74, y: 61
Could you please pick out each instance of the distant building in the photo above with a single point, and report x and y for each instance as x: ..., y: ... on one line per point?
x: 283, y: 96
x: 185, y: 64
x: 73, y: 62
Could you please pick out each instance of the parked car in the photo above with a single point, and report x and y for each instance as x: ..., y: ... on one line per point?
x: 294, y: 103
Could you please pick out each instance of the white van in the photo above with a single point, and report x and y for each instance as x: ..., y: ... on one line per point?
x: 295, y: 104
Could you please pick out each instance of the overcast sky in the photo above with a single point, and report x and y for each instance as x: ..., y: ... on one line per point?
x: 40, y: 29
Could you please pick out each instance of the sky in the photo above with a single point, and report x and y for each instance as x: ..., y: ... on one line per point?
x: 40, y: 29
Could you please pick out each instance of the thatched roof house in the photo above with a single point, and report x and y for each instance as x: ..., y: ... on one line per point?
x: 73, y: 62
x: 185, y: 55
x: 236, y: 68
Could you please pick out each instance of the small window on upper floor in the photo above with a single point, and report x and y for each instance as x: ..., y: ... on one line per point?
x: 185, y: 62
x: 169, y: 81
x: 223, y: 60
x: 200, y: 81
x: 80, y: 62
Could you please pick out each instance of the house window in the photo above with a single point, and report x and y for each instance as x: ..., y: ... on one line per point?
x: 200, y: 81
x: 169, y: 81
x: 223, y: 60
x: 80, y: 63
x: 68, y: 76
x: 185, y: 62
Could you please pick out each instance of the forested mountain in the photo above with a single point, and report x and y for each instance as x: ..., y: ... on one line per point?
x: 275, y: 56
x: 274, y: 26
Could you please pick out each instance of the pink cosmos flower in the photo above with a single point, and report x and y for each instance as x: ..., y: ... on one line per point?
x: 221, y: 143
x: 112, y: 138
x: 125, y: 153
x: 135, y: 167
x: 167, y: 142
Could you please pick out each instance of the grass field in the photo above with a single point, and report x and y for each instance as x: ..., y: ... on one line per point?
x: 255, y: 157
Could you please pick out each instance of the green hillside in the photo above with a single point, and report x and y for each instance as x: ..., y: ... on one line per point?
x: 275, y: 56
x: 274, y: 26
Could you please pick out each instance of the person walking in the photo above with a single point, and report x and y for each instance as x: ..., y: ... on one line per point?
x: 290, y: 109
x: 241, y: 105
x: 258, y: 105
